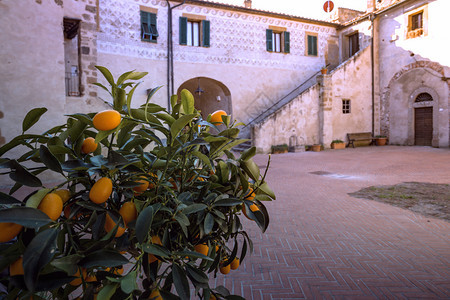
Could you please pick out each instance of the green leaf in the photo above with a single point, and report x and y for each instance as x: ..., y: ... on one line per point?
x: 129, y: 97
x: 102, y: 86
x: 247, y: 154
x: 179, y: 124
x: 67, y: 263
x: 265, y: 188
x: 32, y: 117
x: 251, y: 169
x: 51, y: 281
x: 193, y: 254
x: 173, y: 100
x: 209, y: 223
x: 103, y: 258
x: 166, y: 118
x: 25, y: 216
x: 187, y: 101
x: 180, y: 281
x: 156, y: 250
x: 39, y: 252
x: 36, y: 198
x: 119, y: 99
x: 234, y: 297
x: 107, y: 292
x: 7, y: 199
x: 49, y: 160
x: 144, y: 223
x: 101, y: 135
x: 227, y: 202
x: 84, y: 118
x: 123, y: 77
x: 230, y: 133
x: 197, y: 274
x: 129, y: 283
x: 194, y: 208
x: 23, y: 176
x: 107, y: 74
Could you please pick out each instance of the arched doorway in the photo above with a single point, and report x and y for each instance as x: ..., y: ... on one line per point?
x: 209, y: 94
x: 423, y: 121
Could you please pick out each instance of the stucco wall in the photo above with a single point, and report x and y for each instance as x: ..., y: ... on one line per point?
x: 237, y: 56
x: 298, y: 119
x: 409, y: 64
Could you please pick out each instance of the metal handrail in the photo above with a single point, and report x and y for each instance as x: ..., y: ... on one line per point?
x: 298, y: 87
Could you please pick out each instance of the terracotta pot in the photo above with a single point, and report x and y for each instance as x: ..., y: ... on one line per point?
x: 324, y: 71
x: 337, y: 145
x: 316, y: 148
x: 381, y: 141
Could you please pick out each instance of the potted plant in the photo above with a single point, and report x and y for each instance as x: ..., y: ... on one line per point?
x: 380, y: 140
x: 280, y: 149
x: 128, y: 207
x: 316, y: 147
x: 324, y: 70
x: 337, y: 144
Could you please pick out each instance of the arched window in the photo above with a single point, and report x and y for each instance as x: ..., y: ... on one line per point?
x: 423, y: 97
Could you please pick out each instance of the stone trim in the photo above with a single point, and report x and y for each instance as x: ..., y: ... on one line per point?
x: 194, y: 17
x: 148, y: 9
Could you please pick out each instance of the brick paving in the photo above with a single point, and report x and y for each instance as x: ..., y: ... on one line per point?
x: 324, y: 244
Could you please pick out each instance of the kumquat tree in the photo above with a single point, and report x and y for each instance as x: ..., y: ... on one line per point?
x: 148, y: 204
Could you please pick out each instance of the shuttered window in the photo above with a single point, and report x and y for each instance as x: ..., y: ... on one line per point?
x: 149, y: 29
x: 312, y: 45
x: 277, y: 41
x: 190, y: 32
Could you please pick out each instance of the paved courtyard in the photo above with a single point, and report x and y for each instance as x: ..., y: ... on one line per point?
x: 324, y: 244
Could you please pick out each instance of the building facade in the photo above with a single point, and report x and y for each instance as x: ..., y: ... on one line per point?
x: 388, y: 72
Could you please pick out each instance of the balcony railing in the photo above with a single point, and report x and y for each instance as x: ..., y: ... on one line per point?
x: 72, y: 84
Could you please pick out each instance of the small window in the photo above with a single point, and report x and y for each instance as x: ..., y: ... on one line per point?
x: 353, y: 44
x: 149, y: 30
x: 277, y: 41
x: 417, y: 23
x: 194, y: 32
x: 72, y: 52
x: 422, y: 97
x: 346, y: 109
x: 312, y: 45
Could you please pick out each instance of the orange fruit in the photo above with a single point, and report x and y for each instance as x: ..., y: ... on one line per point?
x: 78, y: 281
x: 202, y: 249
x: 216, y: 117
x: 51, y: 205
x: 212, y: 297
x: 89, y: 145
x: 253, y: 208
x: 128, y: 212
x: 16, y: 268
x: 8, y: 231
x: 101, y: 190
x: 110, y: 224
x: 225, y: 270
x: 106, y: 120
x: 234, y: 264
x: 155, y: 295
x: 141, y: 188
x: 117, y: 271
x: 64, y: 194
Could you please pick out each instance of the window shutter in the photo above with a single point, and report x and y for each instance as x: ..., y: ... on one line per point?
x: 314, y: 45
x: 144, y: 26
x: 286, y: 42
x: 309, y: 45
x: 269, y: 38
x: 183, y: 31
x: 205, y: 29
x: 153, y: 25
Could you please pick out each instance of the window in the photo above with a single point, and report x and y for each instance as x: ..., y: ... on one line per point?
x: 149, y: 31
x: 417, y: 22
x: 72, y: 56
x: 422, y: 97
x: 277, y: 40
x: 346, y: 106
x: 311, y: 40
x: 194, y: 32
x: 353, y: 44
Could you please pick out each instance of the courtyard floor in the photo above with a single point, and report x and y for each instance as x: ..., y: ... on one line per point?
x: 324, y: 244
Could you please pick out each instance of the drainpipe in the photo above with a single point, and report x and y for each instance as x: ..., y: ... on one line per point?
x: 170, y: 74
x: 372, y: 56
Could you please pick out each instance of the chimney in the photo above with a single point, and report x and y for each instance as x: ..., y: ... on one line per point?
x: 248, y: 3
x: 371, y: 6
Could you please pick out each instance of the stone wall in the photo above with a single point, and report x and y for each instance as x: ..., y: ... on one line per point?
x: 237, y: 56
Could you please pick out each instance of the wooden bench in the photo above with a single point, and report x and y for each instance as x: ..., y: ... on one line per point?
x: 359, y: 136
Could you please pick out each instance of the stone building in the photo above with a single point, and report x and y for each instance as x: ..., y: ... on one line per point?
x: 262, y: 67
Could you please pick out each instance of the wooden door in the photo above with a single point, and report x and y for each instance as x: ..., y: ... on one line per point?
x: 423, y: 126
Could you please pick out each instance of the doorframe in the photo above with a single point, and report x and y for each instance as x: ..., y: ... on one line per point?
x: 413, y: 105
